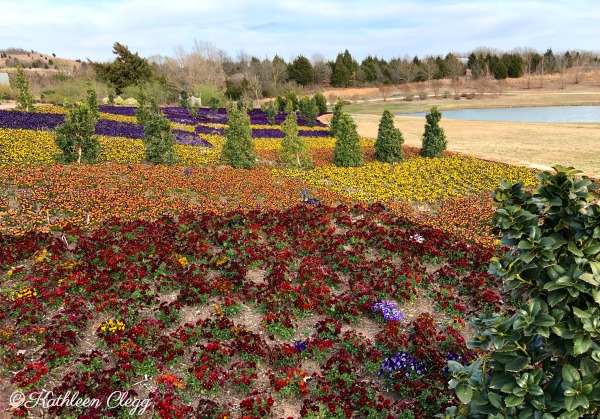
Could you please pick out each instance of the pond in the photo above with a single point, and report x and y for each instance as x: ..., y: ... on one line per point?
x: 548, y: 114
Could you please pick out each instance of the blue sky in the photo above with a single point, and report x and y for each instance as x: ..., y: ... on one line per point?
x: 385, y: 28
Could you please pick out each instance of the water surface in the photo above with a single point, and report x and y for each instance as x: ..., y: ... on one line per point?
x: 548, y: 114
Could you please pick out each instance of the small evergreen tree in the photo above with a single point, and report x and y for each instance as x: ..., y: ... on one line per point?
x: 292, y: 97
x: 347, y: 151
x: 280, y: 101
x: 159, y: 140
x: 388, y: 146
x: 308, y: 110
x: 111, y: 96
x: 184, y: 100
x: 75, y: 137
x: 337, y: 113
x: 142, y: 113
x: 238, y: 150
x: 434, y: 139
x: 321, y: 102
x: 92, y: 101
x: 213, y: 103
x: 25, y: 99
x: 294, y: 149
x: 270, y: 108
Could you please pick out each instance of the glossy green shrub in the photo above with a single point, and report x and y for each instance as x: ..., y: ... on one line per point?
x: 542, y: 361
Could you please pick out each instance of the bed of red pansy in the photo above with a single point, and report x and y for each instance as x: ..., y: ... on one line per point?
x: 272, y: 313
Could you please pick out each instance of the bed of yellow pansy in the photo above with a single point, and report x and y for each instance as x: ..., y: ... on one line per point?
x: 453, y: 193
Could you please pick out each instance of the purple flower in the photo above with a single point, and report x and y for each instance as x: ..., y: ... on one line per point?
x: 301, y: 345
x: 30, y: 120
x: 388, y: 310
x: 118, y: 110
x: 119, y: 129
x: 401, y: 362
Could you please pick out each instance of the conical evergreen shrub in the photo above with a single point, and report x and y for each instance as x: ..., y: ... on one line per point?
x: 239, y: 150
x: 294, y: 149
x: 388, y: 146
x: 337, y: 113
x: 347, y: 151
x: 434, y: 139
x: 75, y: 137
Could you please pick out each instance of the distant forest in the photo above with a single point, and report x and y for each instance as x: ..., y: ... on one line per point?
x: 208, y: 69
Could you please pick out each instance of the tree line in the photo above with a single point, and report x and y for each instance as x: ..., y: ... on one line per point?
x: 205, y: 68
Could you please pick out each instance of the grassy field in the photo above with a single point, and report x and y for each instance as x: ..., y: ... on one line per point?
x: 535, y: 144
x: 575, y: 145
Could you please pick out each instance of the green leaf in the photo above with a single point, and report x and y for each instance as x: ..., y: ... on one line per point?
x: 512, y: 400
x: 589, y: 368
x: 595, y: 267
x: 595, y: 394
x: 517, y: 363
x: 581, y: 344
x: 495, y: 400
x: 596, y: 295
x: 454, y: 367
x: 555, y: 272
x: 500, y: 380
x: 536, y: 390
x: 464, y: 393
x: 580, y: 314
x: 570, y: 374
x: 592, y: 249
x: 590, y: 279
x: 556, y: 297
x: 544, y: 320
x: 570, y: 403
x: 582, y: 401
x: 574, y: 249
x: 525, y: 245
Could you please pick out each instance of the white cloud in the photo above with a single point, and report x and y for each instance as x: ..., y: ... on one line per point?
x: 386, y: 28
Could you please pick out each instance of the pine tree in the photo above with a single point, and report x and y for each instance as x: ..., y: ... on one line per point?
x: 25, y: 99
x: 294, y: 149
x: 321, y: 102
x: 92, y: 100
x: 142, y: 113
x: 270, y: 109
x: 238, y: 150
x: 388, y: 146
x: 292, y: 97
x: 347, y: 151
x: 434, y: 139
x: 159, y: 140
x: 75, y: 137
x: 337, y: 113
x: 308, y: 110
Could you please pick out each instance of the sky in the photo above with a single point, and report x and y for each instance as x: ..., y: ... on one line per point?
x: 82, y: 29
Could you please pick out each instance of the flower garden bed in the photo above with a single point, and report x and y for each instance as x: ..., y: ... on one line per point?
x: 204, y: 291
x: 247, y: 314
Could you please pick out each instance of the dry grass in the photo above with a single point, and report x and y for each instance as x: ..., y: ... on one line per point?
x: 575, y: 145
x: 544, y: 144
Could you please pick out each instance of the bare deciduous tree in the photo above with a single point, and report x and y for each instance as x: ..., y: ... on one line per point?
x: 436, y: 85
x: 455, y: 70
x: 482, y: 83
x: 321, y: 70
x: 202, y: 65
x: 385, y: 90
x: 255, y: 86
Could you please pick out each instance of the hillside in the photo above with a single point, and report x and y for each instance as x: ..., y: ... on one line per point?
x: 36, y: 62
